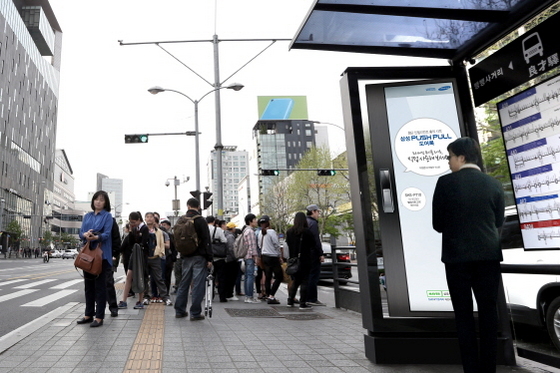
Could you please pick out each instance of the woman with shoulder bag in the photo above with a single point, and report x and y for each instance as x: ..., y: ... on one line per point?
x: 300, y: 240
x: 96, y: 229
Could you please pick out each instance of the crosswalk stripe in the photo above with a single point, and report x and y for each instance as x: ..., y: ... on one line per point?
x: 49, y: 298
x: 17, y: 294
x: 33, y: 284
x: 64, y: 285
x: 10, y: 282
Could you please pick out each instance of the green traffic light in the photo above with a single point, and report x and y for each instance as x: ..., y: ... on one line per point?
x: 143, y: 138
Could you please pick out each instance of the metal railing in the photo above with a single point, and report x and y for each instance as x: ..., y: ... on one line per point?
x: 344, y: 296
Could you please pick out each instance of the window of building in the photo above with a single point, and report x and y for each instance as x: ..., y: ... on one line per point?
x: 308, y: 133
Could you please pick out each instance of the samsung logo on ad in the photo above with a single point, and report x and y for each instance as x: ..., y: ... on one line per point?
x: 444, y: 88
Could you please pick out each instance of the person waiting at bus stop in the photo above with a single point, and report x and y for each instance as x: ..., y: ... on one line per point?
x: 468, y: 208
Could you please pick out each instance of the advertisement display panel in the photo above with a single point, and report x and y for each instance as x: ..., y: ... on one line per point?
x: 282, y: 107
x: 530, y: 123
x: 422, y: 120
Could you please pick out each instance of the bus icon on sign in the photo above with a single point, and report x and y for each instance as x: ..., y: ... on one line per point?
x: 532, y: 46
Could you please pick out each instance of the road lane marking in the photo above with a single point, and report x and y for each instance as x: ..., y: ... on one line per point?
x: 33, y: 284
x: 17, y: 294
x: 64, y: 285
x: 11, y: 282
x: 49, y: 298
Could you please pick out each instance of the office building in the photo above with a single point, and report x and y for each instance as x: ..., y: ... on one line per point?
x: 280, y: 145
x: 30, y: 56
x: 235, y: 168
x: 66, y: 219
x: 114, y: 186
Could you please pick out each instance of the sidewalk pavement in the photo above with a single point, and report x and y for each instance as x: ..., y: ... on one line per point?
x: 239, y: 337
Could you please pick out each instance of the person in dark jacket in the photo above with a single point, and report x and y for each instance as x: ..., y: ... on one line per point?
x: 468, y: 209
x: 194, y: 267
x: 111, y: 293
x: 300, y: 241
x: 317, y: 256
x: 139, y: 234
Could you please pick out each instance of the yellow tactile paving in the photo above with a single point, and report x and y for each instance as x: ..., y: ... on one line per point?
x: 147, y: 352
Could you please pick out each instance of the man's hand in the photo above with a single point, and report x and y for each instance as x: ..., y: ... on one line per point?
x: 322, y: 258
x: 209, y: 265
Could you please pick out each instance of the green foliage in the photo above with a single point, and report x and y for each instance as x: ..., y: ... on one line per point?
x: 48, y: 238
x: 328, y: 192
x: 15, y: 230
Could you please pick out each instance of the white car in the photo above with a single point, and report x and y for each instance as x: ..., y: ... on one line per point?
x: 55, y: 254
x: 532, y: 299
x: 70, y: 254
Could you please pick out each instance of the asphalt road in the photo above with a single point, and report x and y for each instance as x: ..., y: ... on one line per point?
x: 30, y: 288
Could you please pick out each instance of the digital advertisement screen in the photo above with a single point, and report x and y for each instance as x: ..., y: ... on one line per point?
x: 423, y: 119
x: 530, y: 124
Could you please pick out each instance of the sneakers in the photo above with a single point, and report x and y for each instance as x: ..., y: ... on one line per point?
x: 304, y: 306
x: 146, y: 302
x: 197, y: 318
x: 122, y: 305
x: 251, y: 300
x: 316, y: 303
x: 290, y: 302
x: 181, y: 315
x: 168, y: 302
x: 272, y: 301
x: 232, y: 298
x: 139, y: 306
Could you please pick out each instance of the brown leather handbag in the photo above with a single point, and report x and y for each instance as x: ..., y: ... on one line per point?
x: 90, y: 260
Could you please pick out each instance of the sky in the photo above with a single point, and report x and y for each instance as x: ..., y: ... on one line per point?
x: 103, y: 90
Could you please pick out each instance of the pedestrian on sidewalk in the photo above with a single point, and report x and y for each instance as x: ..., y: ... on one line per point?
x: 252, y: 257
x: 300, y: 240
x: 156, y: 252
x: 317, y: 256
x: 111, y: 292
x: 232, y: 264
x: 468, y: 209
x: 195, y: 267
x: 272, y: 257
x: 96, y: 229
x: 138, y: 237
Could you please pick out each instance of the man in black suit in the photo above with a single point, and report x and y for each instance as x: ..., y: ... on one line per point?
x: 468, y: 209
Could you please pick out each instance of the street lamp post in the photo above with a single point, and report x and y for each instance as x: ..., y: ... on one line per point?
x: 155, y: 90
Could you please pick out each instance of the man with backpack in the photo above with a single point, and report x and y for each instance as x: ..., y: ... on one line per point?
x: 192, y: 241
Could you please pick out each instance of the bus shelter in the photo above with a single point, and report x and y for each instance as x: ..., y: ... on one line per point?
x: 398, y: 122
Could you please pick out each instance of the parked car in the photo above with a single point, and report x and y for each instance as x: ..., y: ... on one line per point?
x: 532, y: 299
x: 69, y: 254
x: 327, y: 266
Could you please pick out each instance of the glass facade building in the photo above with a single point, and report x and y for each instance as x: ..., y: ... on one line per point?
x: 30, y: 55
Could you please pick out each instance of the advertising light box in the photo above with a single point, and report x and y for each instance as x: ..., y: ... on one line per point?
x: 530, y: 124
x: 422, y: 121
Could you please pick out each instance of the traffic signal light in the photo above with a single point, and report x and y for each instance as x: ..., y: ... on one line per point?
x: 326, y: 172
x: 196, y: 194
x: 135, y: 139
x: 207, y: 203
x: 270, y: 172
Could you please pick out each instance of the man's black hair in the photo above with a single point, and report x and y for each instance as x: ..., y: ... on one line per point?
x: 249, y: 218
x: 194, y: 203
x: 210, y: 219
x: 466, y: 147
